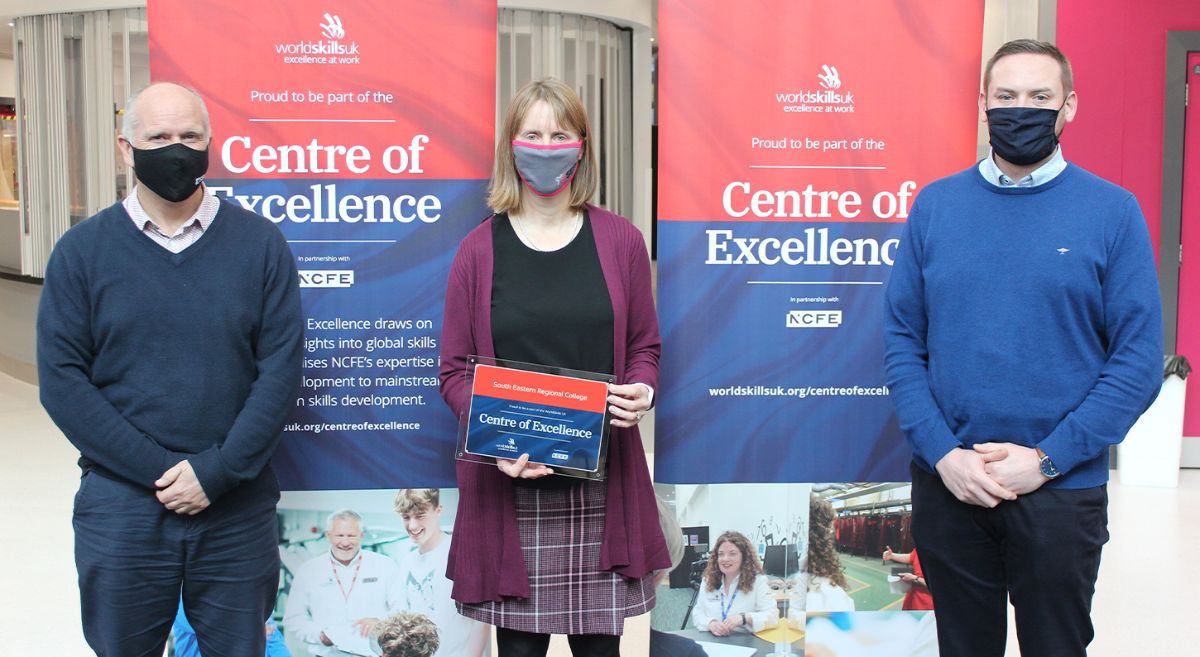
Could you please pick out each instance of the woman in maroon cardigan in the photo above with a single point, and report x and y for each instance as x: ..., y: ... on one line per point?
x: 551, y: 279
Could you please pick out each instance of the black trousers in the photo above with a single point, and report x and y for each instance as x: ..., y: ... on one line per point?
x: 1042, y: 550
x: 135, y: 559
x: 514, y: 643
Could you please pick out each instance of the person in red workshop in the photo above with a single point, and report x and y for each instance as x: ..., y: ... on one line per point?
x: 551, y: 279
x: 918, y: 597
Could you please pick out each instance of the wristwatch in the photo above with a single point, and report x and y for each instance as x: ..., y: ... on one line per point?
x: 1046, y: 465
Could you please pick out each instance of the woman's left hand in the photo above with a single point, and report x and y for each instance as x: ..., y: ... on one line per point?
x: 627, y: 403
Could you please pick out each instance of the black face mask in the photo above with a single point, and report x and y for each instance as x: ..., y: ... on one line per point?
x: 173, y: 172
x: 1023, y: 135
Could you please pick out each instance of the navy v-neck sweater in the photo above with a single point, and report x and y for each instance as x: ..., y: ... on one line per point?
x: 146, y: 357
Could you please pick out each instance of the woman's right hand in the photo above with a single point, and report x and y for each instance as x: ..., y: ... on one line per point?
x: 522, y: 469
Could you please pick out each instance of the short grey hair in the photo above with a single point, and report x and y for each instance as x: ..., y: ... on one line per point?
x: 343, y: 514
x: 129, y: 118
x: 671, y: 532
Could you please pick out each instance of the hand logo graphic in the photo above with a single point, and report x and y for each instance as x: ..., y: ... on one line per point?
x: 332, y: 28
x: 829, y: 79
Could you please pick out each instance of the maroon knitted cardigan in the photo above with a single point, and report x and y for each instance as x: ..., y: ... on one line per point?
x: 485, y: 555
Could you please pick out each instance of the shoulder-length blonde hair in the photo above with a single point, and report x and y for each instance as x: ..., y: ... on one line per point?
x: 750, y: 567
x: 504, y: 192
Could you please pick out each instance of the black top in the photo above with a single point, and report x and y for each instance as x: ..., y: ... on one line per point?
x: 550, y: 307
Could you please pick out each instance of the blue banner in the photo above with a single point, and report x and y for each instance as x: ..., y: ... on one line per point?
x: 775, y: 369
x: 373, y: 312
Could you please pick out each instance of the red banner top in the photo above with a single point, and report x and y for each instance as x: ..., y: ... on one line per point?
x: 336, y: 90
x: 813, y: 111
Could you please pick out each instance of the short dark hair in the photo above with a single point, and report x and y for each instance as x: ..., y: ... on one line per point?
x: 1031, y: 47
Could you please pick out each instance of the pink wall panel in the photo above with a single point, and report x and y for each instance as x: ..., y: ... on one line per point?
x: 1118, y: 49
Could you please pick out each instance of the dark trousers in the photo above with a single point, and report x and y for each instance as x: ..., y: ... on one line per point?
x: 514, y: 643
x: 135, y: 558
x: 1042, y: 549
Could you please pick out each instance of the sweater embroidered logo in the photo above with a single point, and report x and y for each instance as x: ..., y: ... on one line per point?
x: 1063, y: 250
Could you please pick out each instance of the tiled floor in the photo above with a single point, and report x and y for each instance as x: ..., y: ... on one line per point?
x: 1146, y: 600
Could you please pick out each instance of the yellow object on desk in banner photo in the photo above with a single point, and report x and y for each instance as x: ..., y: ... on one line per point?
x: 780, y: 632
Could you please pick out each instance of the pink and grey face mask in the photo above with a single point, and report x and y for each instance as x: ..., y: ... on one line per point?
x: 546, y: 169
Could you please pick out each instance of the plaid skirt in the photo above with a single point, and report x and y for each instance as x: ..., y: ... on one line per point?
x: 561, y: 530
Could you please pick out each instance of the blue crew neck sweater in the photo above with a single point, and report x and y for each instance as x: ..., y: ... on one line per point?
x: 1024, y: 315
x: 146, y: 358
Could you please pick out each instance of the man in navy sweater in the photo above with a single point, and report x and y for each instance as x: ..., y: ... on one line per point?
x: 1024, y: 337
x: 169, y: 349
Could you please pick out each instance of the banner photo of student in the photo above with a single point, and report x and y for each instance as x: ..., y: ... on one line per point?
x: 365, y: 569
x: 868, y: 551
x: 793, y: 139
x: 799, y: 551
x: 365, y: 132
x: 738, y: 577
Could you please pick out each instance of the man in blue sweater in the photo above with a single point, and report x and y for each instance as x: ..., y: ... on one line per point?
x: 169, y: 349
x: 1024, y: 337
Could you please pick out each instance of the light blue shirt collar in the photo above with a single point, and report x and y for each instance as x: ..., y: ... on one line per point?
x: 1043, y: 174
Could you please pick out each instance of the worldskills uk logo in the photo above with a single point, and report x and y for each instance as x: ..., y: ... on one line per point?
x: 829, y: 98
x: 331, y: 49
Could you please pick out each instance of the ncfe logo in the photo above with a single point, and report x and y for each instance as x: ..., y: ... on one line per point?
x: 326, y: 277
x: 814, y: 318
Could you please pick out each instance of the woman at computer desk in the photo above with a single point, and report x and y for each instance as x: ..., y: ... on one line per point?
x: 734, y: 596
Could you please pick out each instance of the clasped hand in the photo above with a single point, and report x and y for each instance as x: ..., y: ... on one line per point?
x: 180, y: 491
x: 991, y: 473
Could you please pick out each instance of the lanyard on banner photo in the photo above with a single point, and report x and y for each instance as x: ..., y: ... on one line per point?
x: 725, y: 608
x: 353, y: 580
